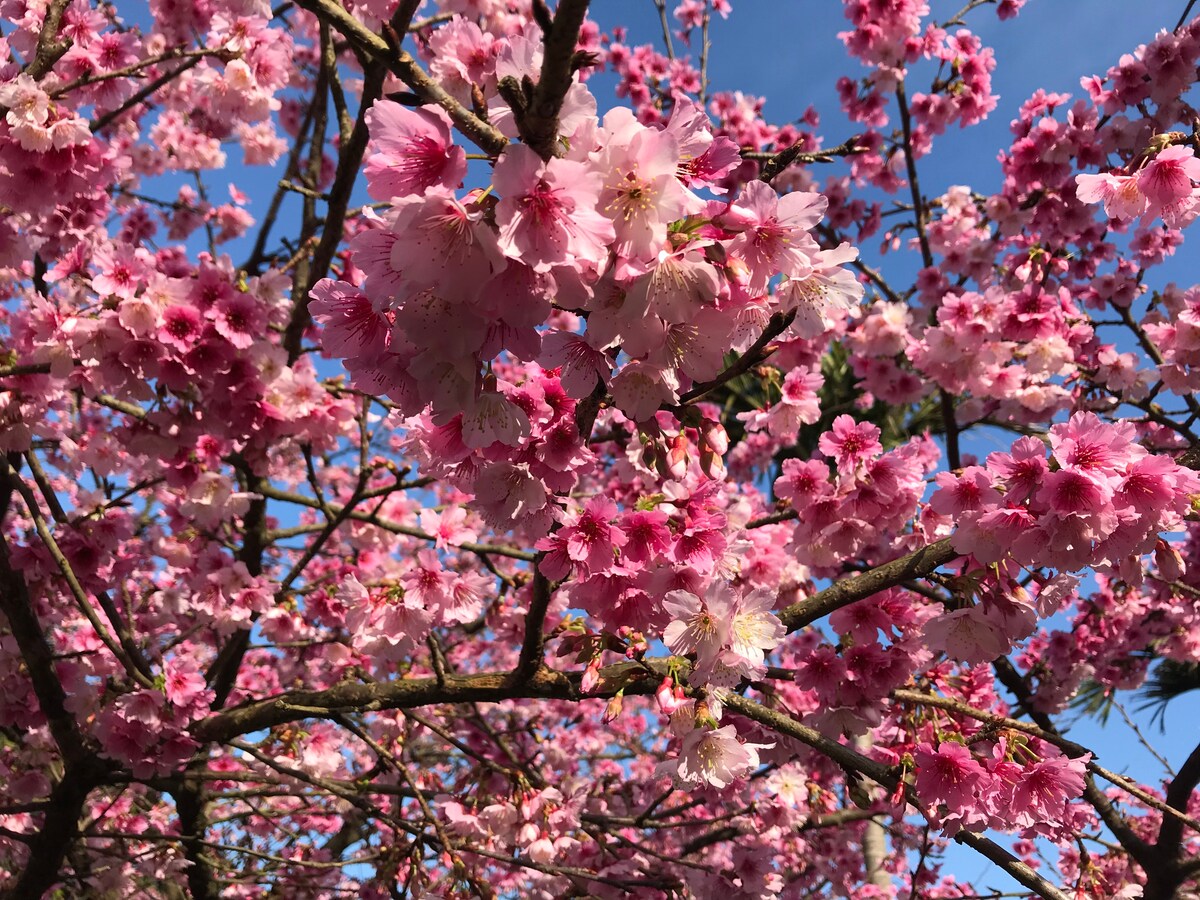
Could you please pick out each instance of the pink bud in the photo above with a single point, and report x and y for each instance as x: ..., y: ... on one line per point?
x: 665, y: 695
x: 738, y: 272
x: 713, y: 435
x: 677, y: 457
x: 541, y: 851
x: 1170, y: 564
x: 591, y: 677
x: 613, y: 709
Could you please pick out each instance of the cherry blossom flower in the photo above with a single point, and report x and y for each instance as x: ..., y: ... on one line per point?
x: 414, y: 151
x: 547, y: 215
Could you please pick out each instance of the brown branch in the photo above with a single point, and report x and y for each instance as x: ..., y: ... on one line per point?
x: 853, y: 761
x: 483, y: 135
x: 25, y: 369
x: 59, y: 829
x: 38, y: 655
x: 222, y: 674
x: 1137, y: 847
x: 49, y: 49
x: 258, y: 254
x: 349, y: 162
x: 301, y: 282
x: 109, y: 117
x: 774, y: 519
x: 80, y: 596
x: 190, y: 805
x: 916, y: 564
x: 274, y: 493
x: 775, y: 163
x: 754, y: 355
x: 131, y: 70
x: 531, y: 647
x: 539, y: 124
x: 409, y: 693
x: 1165, y: 877
x: 124, y: 635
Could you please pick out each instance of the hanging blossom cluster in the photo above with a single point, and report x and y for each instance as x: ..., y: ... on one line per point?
x: 643, y: 286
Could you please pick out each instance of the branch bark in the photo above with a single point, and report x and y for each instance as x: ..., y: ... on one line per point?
x: 410, y: 693
x: 539, y: 124
x: 917, y: 564
x: 854, y: 761
x: 479, y: 132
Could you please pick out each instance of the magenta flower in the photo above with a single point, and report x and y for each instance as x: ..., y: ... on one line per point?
x: 414, y: 151
x: 713, y: 756
x: 446, y: 246
x: 240, y: 319
x: 1121, y: 194
x: 1167, y: 183
x: 1041, y: 795
x: 351, y: 326
x: 968, y: 491
x: 774, y: 236
x: 949, y: 775
x: 547, y: 214
x: 850, y: 442
x: 641, y: 193
x: 583, y: 366
x: 1070, y: 492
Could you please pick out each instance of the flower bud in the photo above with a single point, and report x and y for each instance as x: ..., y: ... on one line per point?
x: 665, y: 695
x: 1168, y: 561
x: 591, y: 676
x: 541, y: 851
x: 677, y: 457
x: 712, y: 434
x: 613, y: 709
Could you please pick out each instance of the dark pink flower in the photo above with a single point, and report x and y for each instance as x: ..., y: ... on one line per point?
x: 414, y: 151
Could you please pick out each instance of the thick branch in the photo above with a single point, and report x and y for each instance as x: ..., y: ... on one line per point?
x: 917, y: 564
x: 407, y: 70
x: 408, y: 693
x: 350, y: 157
x: 192, y: 827
x: 1165, y: 877
x: 539, y: 124
x: 222, y: 674
x: 49, y: 49
x: 853, y: 761
x: 17, y: 606
x: 60, y: 826
x: 535, y: 620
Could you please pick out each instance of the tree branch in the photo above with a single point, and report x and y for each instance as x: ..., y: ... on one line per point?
x: 854, y: 761
x: 917, y: 564
x: 539, y: 124
x: 49, y: 49
x: 409, y: 693
x: 407, y: 70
